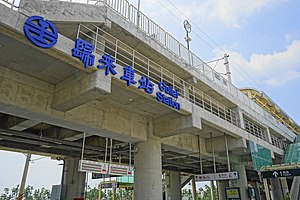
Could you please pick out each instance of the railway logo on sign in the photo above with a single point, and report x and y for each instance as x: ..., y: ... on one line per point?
x: 40, y: 32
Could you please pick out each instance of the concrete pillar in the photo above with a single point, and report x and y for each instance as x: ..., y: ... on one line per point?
x: 194, y: 187
x: 276, y: 188
x: 173, y: 190
x: 73, y: 179
x: 242, y: 181
x: 240, y: 117
x: 212, y: 190
x: 221, y: 185
x: 268, y: 135
x: 285, y: 186
x: 148, y: 170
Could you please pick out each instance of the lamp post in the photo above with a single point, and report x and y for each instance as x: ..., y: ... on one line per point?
x: 138, y: 13
x: 188, y: 28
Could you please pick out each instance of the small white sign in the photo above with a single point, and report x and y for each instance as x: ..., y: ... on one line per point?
x: 121, y: 170
x: 217, y: 176
x: 93, y: 167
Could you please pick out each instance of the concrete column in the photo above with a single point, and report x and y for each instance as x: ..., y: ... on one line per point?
x: 194, y: 187
x: 173, y: 190
x: 221, y: 189
x: 276, y: 188
x: 268, y: 134
x: 285, y: 186
x: 212, y: 190
x: 148, y: 170
x: 240, y: 117
x: 242, y: 181
x: 73, y: 179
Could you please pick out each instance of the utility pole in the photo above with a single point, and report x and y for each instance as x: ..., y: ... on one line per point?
x: 226, y: 63
x: 138, y: 13
x: 24, y: 177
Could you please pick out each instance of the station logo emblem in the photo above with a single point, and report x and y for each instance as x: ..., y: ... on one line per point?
x: 40, y: 32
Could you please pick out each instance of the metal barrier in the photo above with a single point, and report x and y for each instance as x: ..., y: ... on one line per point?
x: 9, y: 3
x: 255, y: 129
x: 278, y: 142
x: 125, y: 55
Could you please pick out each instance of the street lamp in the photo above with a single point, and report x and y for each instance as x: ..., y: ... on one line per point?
x: 138, y: 13
x: 188, y: 28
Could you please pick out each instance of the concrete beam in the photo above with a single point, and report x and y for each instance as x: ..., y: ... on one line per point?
x: 71, y: 135
x: 168, y: 126
x: 64, y: 11
x: 30, y: 98
x: 184, y: 143
x: 78, y: 90
x: 218, y: 143
x: 24, y: 125
x: 192, y: 80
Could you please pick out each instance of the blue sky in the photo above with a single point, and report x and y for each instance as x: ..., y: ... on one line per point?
x: 262, y: 38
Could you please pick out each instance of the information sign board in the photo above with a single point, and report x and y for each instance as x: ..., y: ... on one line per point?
x: 281, y: 173
x: 109, y: 185
x: 121, y: 170
x: 233, y: 193
x: 93, y: 167
x: 217, y: 176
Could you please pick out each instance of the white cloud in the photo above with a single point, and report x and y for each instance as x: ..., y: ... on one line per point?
x: 278, y: 81
x: 230, y: 12
x: 274, y: 69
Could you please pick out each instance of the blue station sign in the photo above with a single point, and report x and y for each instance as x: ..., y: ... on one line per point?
x: 43, y: 33
x: 83, y: 50
x: 164, y: 98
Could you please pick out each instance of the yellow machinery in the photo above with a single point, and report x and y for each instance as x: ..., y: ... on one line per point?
x: 271, y: 107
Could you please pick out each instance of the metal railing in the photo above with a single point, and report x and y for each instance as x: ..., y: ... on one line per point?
x: 261, y: 132
x: 9, y: 3
x: 255, y: 129
x: 279, y: 142
x: 149, y: 27
x: 126, y: 56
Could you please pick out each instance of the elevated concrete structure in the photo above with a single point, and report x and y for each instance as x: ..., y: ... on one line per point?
x: 49, y: 90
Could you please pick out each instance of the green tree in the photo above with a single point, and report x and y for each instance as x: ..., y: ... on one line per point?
x: 29, y: 193
x: 124, y: 194
x: 41, y: 194
x: 206, y: 193
x: 92, y: 193
x: 10, y: 193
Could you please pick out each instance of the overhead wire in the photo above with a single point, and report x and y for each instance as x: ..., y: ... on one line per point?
x: 210, y: 46
x: 33, y: 160
x: 180, y: 20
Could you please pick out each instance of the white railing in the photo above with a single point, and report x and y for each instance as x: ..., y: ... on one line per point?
x: 279, y: 142
x: 9, y: 3
x: 125, y: 55
x: 149, y: 27
x: 255, y: 129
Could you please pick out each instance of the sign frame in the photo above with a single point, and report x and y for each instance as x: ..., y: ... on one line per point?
x: 223, y: 176
x: 233, y: 188
x: 281, y: 173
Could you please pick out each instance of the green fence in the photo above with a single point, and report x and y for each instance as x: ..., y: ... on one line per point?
x: 292, y: 155
x: 261, y: 157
